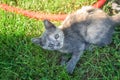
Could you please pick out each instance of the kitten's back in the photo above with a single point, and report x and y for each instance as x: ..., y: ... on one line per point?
x: 83, y: 14
x: 93, y: 24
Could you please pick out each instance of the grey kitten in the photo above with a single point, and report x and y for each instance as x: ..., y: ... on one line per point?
x: 85, y: 27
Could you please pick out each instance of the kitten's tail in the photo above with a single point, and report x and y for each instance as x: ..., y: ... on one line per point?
x: 116, y: 18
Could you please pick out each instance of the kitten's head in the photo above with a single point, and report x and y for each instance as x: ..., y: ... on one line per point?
x: 52, y: 38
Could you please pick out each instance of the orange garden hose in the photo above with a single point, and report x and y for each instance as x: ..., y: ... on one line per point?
x: 42, y: 16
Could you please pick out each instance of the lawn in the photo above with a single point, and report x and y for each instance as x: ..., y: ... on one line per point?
x: 22, y: 60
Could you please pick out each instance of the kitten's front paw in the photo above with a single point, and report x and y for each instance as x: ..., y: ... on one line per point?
x: 70, y: 68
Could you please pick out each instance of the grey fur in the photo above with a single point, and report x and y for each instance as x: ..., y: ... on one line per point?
x: 85, y: 27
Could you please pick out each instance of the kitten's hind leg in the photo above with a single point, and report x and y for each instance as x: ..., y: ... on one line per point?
x: 73, y: 61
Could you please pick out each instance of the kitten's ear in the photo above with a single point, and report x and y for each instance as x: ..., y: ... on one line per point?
x: 48, y: 25
x: 37, y: 41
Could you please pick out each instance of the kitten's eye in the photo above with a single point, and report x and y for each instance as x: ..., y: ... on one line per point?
x: 51, y: 45
x: 56, y: 36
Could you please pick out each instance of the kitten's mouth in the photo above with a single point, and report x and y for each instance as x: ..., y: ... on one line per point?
x: 55, y: 47
x: 59, y: 46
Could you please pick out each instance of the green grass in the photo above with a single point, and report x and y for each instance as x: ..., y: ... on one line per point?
x: 22, y: 60
x: 52, y: 6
